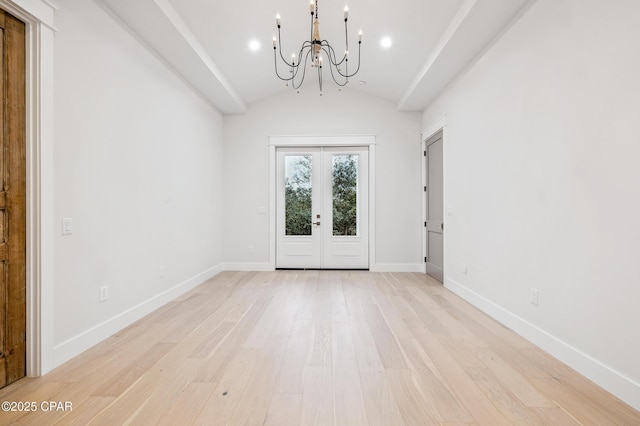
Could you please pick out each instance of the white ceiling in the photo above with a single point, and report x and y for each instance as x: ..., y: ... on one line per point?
x: 206, y: 42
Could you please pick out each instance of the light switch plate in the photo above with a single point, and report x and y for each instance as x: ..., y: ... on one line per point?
x: 67, y: 226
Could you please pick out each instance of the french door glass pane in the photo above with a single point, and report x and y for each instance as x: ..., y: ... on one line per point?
x: 297, y: 194
x: 345, y: 194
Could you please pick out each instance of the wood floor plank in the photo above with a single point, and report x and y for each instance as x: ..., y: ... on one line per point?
x: 212, y: 340
x: 567, y: 378
x: 388, y: 348
x: 291, y: 380
x: 83, y: 413
x: 317, y: 397
x: 284, y: 410
x: 339, y: 312
x: 411, y: 402
x: 554, y: 416
x: 513, y: 380
x: 228, y: 394
x: 391, y: 314
x: 347, y: 391
x: 256, y: 397
x: 218, y: 361
x: 379, y: 401
x: 168, y: 389
x: 291, y: 307
x: 124, y: 408
x: 439, y: 399
x: 188, y: 405
x: 123, y: 379
x: 321, y: 342
x: 458, y: 381
x: 502, y: 398
x: 37, y: 395
x: 317, y: 347
x: 306, y: 308
x: 581, y: 407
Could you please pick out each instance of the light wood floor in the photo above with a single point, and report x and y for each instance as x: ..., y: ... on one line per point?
x: 309, y: 347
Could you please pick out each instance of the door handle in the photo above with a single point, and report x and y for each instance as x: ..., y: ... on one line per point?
x: 317, y: 223
x: 442, y: 226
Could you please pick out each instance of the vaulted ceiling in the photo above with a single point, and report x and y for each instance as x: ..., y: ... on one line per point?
x: 207, y: 42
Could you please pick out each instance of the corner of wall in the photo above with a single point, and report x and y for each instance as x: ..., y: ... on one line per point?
x: 80, y: 343
x: 610, y: 379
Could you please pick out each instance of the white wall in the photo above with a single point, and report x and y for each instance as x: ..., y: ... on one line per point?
x: 398, y: 178
x: 138, y: 166
x: 542, y: 177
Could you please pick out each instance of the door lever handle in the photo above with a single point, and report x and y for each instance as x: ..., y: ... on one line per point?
x: 317, y: 223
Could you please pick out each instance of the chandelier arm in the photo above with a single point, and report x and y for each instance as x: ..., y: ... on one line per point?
x: 280, y: 49
x: 332, y: 55
x: 347, y: 75
x: 304, y: 71
x: 358, y: 68
x: 333, y: 75
x: 275, y: 62
x: 305, y: 45
x: 297, y: 67
x: 346, y: 48
x: 294, y: 73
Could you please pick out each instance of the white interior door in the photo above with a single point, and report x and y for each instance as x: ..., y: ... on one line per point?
x: 435, y: 223
x: 322, y: 208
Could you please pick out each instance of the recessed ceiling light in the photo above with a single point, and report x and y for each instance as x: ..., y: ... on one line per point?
x: 254, y: 45
x: 386, y: 42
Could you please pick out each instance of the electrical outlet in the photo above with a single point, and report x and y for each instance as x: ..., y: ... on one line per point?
x: 534, y: 296
x: 251, y: 249
x: 162, y: 272
x: 104, y: 293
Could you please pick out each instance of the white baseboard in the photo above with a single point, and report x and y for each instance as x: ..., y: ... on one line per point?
x: 397, y: 267
x: 245, y: 266
x: 80, y: 343
x: 614, y: 382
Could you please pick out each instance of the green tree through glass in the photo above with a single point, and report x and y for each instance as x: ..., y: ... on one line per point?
x: 297, y: 194
x: 345, y: 195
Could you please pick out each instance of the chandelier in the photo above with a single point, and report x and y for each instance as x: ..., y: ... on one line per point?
x: 313, y: 52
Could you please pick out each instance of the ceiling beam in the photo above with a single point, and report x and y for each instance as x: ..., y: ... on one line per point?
x: 477, y: 25
x: 162, y: 30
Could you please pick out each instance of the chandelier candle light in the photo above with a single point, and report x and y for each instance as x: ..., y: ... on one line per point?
x: 313, y: 49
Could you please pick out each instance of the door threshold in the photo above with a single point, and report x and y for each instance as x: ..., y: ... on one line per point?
x: 322, y: 269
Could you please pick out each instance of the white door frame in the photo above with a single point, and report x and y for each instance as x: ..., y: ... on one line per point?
x: 432, y: 129
x: 320, y: 141
x: 38, y: 15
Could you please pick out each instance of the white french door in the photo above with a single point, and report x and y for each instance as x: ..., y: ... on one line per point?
x: 322, y: 208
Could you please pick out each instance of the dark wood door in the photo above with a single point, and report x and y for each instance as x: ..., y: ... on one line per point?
x: 12, y: 201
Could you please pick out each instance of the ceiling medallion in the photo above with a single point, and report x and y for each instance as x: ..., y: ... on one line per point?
x: 316, y: 50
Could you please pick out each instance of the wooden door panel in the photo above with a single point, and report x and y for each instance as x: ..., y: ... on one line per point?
x: 12, y: 202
